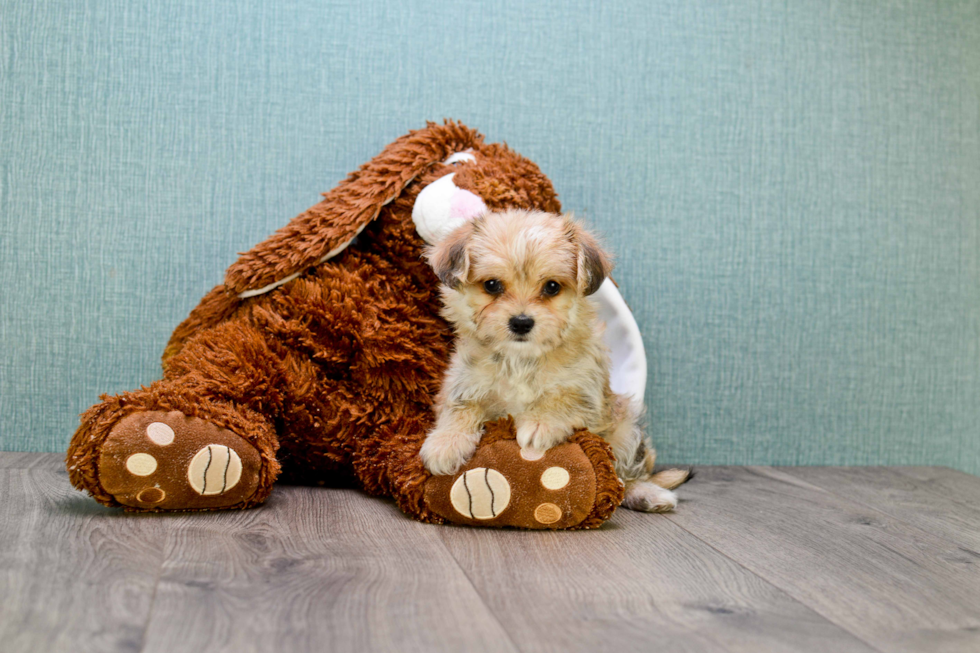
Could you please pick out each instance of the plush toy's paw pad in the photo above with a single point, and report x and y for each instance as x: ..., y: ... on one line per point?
x: 480, y: 493
x: 504, y: 485
x: 159, y: 460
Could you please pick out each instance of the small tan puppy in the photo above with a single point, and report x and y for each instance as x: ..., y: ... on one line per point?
x: 528, y: 345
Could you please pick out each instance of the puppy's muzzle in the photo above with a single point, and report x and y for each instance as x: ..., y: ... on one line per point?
x: 521, y: 324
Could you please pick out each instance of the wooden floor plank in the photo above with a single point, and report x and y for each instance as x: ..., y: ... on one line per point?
x: 895, y: 586
x: 638, y: 584
x: 27, y: 459
x: 315, y: 569
x: 74, y: 576
x: 902, y: 497
x: 958, y: 487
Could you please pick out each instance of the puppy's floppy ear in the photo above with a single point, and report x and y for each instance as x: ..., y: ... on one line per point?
x: 450, y: 257
x: 594, y: 264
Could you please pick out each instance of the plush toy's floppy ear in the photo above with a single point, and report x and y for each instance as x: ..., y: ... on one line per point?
x: 326, y: 229
x: 594, y: 265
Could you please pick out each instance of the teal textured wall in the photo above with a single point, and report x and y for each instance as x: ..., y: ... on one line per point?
x: 792, y: 189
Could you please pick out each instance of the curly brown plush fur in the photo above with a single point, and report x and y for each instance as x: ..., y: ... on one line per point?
x: 331, y: 374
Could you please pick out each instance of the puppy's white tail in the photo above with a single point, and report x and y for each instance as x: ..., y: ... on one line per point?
x: 668, y: 478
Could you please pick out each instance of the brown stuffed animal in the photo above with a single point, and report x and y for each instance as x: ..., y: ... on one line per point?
x: 320, y: 356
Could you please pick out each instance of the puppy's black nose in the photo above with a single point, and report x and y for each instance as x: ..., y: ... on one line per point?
x: 521, y: 324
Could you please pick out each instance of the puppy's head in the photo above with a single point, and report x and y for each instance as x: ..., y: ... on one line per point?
x: 516, y: 280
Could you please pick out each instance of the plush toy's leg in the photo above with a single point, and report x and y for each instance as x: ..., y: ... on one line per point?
x: 200, y: 439
x: 571, y: 486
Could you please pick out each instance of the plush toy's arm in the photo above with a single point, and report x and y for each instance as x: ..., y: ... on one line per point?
x: 326, y: 229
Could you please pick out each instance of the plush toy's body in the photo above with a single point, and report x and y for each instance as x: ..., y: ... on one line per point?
x: 320, y: 356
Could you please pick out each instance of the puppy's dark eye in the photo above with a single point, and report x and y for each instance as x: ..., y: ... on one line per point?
x: 551, y: 288
x: 493, y: 286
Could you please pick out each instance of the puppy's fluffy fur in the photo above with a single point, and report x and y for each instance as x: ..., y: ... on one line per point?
x: 528, y: 345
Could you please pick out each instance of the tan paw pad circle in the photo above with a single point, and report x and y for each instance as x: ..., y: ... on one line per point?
x: 141, y: 464
x: 480, y: 493
x: 215, y: 469
x: 555, y: 478
x: 547, y: 513
x: 151, y: 495
x: 159, y: 433
x: 531, y: 454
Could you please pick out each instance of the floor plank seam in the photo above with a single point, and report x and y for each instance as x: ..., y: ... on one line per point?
x: 926, y: 487
x: 149, y: 613
x: 720, y: 643
x: 895, y: 517
x: 779, y: 589
x: 153, y: 596
x: 483, y: 599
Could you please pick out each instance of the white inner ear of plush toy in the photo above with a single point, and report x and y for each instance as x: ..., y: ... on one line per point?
x: 628, y: 359
x: 326, y: 257
x: 465, y: 155
x: 442, y: 206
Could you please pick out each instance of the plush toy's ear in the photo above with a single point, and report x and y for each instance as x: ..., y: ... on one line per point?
x: 326, y: 229
x: 594, y: 265
x: 450, y: 258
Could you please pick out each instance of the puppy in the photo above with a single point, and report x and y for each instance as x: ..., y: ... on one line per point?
x: 528, y: 345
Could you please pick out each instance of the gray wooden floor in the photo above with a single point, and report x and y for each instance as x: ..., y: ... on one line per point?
x: 755, y: 559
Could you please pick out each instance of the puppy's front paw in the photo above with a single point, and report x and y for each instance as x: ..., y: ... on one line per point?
x: 649, y: 497
x: 445, y: 451
x: 540, y: 436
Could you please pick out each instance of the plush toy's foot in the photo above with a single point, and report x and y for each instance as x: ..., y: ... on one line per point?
x: 569, y: 486
x: 158, y: 460
x: 168, y: 447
